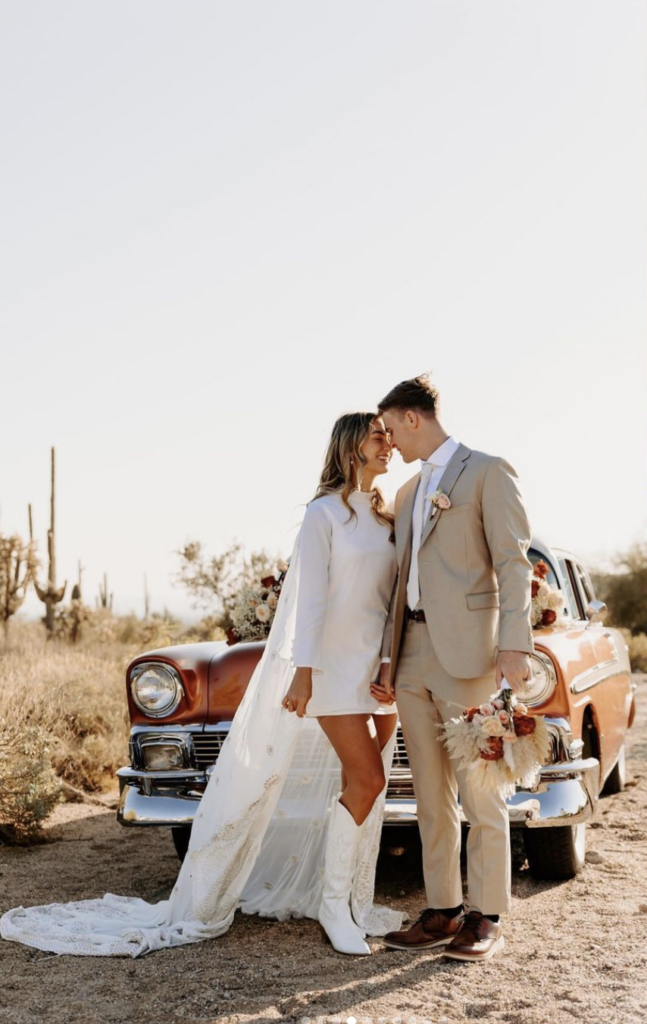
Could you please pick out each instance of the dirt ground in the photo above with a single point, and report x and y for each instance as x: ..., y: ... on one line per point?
x: 575, y: 951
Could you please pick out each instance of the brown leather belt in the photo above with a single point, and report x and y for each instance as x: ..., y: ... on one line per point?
x: 417, y: 616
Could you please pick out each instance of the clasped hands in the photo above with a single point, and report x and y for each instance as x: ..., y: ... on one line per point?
x: 514, y: 666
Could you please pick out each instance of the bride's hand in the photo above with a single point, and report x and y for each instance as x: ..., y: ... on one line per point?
x: 300, y: 692
x: 382, y: 689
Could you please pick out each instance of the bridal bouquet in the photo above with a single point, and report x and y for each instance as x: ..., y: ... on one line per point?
x: 500, y: 742
x: 255, y: 607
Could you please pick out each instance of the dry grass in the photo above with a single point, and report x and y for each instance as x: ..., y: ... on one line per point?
x: 63, y: 715
x: 63, y: 711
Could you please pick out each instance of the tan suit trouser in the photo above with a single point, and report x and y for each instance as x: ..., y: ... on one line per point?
x: 437, y: 780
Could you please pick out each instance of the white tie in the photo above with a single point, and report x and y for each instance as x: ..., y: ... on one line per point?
x: 413, y: 583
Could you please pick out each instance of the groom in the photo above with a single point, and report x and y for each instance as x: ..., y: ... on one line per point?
x: 459, y: 622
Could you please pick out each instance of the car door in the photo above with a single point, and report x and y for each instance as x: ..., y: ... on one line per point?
x: 606, y: 685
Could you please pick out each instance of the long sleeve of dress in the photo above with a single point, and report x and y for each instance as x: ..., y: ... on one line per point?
x: 312, y: 596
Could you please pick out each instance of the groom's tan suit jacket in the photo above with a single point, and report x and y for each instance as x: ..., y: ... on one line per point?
x: 475, y: 576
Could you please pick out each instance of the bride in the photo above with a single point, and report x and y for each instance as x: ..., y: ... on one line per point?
x: 290, y: 822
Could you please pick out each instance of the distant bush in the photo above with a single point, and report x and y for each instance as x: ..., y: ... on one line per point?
x: 637, y: 650
x: 625, y: 591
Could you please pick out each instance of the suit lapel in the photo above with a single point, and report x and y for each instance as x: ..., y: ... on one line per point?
x: 453, y: 470
x: 405, y: 516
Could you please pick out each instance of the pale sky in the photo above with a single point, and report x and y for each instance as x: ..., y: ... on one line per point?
x: 224, y: 223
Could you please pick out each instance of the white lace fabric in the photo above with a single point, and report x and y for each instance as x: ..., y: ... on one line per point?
x: 258, y: 839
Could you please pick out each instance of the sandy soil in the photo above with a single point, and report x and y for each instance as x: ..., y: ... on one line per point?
x: 576, y: 951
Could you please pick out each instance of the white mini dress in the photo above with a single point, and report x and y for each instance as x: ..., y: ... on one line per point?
x: 348, y: 570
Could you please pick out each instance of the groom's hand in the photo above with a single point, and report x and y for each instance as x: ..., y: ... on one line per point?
x: 382, y: 689
x: 515, y: 666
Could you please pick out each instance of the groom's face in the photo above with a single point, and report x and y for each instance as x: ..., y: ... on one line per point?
x: 401, y: 427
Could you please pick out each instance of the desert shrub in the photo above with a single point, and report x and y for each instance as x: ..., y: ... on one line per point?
x: 208, y: 628
x: 215, y: 582
x: 29, y: 789
x: 637, y: 650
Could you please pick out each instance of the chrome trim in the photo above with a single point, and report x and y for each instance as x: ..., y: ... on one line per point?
x: 575, y: 750
x: 177, y: 774
x: 569, y: 769
x: 587, y: 680
x: 174, y: 807
x: 595, y: 611
x: 139, y: 669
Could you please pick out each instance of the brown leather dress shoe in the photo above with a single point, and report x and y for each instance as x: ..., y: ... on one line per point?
x: 431, y: 929
x: 478, y: 939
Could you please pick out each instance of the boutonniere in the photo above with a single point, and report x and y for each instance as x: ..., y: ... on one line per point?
x: 439, y: 500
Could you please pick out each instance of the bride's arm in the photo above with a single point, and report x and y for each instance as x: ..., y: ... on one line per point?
x: 312, y: 595
x: 312, y: 605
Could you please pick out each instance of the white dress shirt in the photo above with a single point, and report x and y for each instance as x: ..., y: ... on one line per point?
x: 438, y: 461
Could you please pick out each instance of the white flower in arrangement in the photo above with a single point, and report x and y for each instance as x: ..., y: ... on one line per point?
x: 478, y: 719
x: 487, y: 709
x: 493, y: 727
x: 263, y: 613
x: 282, y: 565
x: 543, y: 594
x: 272, y: 601
x: 555, y: 600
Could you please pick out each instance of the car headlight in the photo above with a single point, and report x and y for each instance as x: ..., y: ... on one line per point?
x: 542, y: 683
x: 156, y: 688
x: 161, y: 756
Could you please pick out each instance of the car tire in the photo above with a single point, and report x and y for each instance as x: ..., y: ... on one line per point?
x: 181, y: 836
x: 617, y: 777
x: 555, y: 853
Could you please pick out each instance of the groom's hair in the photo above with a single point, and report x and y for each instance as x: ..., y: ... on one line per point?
x: 418, y: 393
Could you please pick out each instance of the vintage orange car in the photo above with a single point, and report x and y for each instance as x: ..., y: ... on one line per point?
x: 182, y: 701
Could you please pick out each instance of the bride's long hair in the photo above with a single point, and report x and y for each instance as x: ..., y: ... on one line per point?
x: 343, y: 464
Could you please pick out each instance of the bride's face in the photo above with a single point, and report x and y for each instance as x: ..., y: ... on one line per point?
x: 376, y: 449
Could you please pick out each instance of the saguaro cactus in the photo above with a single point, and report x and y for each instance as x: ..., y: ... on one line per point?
x: 50, y: 595
x: 105, y: 599
x: 17, y: 567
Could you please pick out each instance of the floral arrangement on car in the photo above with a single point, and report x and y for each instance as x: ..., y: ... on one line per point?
x: 547, y: 602
x: 500, y: 742
x: 255, y: 607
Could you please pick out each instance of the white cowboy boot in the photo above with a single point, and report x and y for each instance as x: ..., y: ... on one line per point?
x: 339, y: 866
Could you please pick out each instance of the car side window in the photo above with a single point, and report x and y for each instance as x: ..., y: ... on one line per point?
x: 585, y: 584
x: 569, y: 589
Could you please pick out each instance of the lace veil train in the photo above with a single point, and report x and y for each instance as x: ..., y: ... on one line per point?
x: 258, y: 839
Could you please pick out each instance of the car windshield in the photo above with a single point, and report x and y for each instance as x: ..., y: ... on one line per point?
x: 536, y: 556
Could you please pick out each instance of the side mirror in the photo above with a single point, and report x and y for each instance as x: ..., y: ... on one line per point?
x: 596, y: 611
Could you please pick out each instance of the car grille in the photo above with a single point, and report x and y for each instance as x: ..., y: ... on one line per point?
x: 207, y: 747
x: 400, y: 781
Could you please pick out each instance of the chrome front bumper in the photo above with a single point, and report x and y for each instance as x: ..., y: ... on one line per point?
x: 565, y: 794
